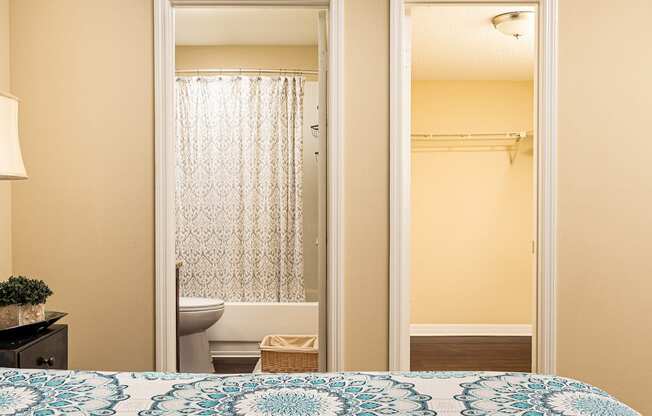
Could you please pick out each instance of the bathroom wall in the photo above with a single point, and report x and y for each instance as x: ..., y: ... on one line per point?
x: 472, y: 212
x: 249, y: 56
x: 5, y: 186
x: 310, y: 191
x: 274, y: 57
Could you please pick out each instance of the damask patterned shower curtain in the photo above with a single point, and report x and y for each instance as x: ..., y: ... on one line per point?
x: 239, y: 215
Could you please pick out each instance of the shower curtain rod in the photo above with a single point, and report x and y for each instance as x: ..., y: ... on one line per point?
x: 247, y: 71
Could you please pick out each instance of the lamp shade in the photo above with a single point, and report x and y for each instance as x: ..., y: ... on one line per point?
x: 11, y: 160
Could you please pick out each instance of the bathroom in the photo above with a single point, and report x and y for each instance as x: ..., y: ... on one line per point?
x: 249, y: 197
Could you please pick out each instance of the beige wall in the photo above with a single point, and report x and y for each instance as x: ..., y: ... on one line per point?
x: 310, y: 192
x: 5, y: 187
x: 252, y: 56
x: 71, y: 67
x: 472, y: 212
x: 277, y: 57
x: 366, y: 182
x: 83, y: 222
x: 471, y: 106
x: 605, y: 194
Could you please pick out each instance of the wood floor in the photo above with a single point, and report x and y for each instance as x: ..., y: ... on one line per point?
x: 438, y: 353
x: 234, y: 365
x: 471, y: 353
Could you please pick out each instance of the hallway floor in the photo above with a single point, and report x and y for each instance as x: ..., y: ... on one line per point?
x: 471, y: 353
x: 234, y: 365
x: 439, y: 353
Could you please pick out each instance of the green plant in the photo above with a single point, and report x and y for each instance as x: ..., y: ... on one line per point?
x: 21, y: 290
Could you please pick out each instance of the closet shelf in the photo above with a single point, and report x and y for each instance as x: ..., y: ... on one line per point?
x: 472, y: 142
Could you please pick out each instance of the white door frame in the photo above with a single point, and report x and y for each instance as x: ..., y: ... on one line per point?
x: 164, y: 75
x: 546, y: 235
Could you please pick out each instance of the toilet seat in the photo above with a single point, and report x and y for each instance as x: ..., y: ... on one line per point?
x: 192, y: 304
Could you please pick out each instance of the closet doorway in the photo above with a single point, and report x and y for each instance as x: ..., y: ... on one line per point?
x: 472, y: 224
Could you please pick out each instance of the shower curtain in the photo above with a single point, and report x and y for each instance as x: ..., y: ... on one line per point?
x: 239, y: 219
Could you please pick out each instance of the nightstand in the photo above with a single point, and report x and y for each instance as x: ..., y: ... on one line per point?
x: 47, y: 349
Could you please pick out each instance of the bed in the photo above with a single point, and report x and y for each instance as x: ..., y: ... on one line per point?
x: 51, y: 393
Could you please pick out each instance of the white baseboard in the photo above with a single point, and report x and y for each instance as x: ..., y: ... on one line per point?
x: 230, y: 349
x: 470, y: 330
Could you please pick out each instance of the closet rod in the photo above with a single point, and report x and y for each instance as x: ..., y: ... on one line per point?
x: 472, y: 142
x: 247, y: 71
x: 471, y: 136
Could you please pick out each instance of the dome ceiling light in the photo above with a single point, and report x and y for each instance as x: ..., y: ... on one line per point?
x: 515, y: 24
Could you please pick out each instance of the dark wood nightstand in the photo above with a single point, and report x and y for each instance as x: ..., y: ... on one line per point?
x: 47, y: 349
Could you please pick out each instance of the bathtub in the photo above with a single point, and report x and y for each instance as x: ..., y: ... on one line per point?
x: 244, y: 324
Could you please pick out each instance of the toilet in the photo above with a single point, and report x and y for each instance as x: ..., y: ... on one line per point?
x: 196, y: 315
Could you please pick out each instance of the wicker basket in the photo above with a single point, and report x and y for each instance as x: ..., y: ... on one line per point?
x: 289, y: 354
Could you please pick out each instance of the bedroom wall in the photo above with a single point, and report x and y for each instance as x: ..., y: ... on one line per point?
x: 276, y: 57
x: 605, y: 194
x: 366, y: 184
x: 5, y: 186
x: 83, y: 222
x: 604, y: 222
x: 472, y: 212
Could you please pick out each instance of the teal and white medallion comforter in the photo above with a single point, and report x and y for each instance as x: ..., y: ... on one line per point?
x: 50, y: 393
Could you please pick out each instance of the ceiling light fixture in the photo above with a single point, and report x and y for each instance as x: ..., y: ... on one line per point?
x: 515, y: 24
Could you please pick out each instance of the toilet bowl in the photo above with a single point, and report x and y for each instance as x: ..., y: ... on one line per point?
x: 196, y: 315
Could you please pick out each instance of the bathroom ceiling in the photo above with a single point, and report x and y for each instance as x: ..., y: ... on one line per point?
x: 245, y: 26
x: 459, y: 43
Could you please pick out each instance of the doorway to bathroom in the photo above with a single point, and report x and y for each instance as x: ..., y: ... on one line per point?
x: 252, y: 201
x: 472, y: 201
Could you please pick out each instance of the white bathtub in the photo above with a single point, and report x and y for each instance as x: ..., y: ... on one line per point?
x: 244, y: 324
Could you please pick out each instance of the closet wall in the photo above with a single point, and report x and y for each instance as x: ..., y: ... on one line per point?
x: 472, y: 212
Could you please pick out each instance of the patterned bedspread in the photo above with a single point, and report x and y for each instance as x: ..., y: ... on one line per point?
x: 46, y: 393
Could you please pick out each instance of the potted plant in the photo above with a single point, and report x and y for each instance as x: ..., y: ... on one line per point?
x: 22, y: 301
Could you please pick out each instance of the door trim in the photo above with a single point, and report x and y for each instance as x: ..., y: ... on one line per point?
x: 546, y: 228
x: 164, y: 144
